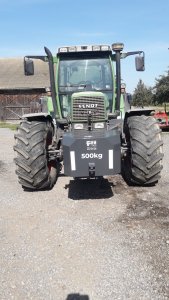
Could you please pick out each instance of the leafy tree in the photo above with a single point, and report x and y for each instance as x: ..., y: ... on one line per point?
x: 162, y: 89
x: 142, y: 95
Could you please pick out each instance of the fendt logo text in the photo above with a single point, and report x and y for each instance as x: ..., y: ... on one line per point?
x: 89, y: 105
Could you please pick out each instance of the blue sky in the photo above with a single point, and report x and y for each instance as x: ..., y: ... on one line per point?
x: 28, y: 25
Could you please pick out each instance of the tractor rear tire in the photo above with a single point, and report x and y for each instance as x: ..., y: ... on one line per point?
x: 142, y: 163
x: 34, y: 170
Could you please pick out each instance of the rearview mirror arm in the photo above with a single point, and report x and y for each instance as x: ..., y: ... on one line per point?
x: 124, y: 55
x: 41, y: 57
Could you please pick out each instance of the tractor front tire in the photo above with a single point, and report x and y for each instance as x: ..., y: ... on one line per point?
x: 142, y: 162
x: 34, y: 170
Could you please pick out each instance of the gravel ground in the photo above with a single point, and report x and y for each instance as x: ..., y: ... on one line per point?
x: 83, y: 240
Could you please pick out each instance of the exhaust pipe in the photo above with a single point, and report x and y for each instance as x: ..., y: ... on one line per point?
x: 52, y: 80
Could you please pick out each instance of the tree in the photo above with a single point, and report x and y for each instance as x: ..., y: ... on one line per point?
x: 142, y: 95
x: 161, y: 89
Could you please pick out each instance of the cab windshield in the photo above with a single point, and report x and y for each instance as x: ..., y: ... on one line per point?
x: 82, y: 74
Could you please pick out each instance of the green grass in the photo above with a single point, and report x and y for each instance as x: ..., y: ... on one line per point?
x: 8, y: 125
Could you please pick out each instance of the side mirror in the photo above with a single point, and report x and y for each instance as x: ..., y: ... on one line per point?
x: 28, y: 67
x: 139, y: 61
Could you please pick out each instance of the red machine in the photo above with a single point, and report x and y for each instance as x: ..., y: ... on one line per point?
x: 162, y: 118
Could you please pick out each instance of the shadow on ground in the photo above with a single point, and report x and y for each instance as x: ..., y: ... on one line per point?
x: 77, y: 297
x: 81, y: 189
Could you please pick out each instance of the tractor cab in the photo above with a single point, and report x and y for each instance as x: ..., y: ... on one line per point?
x: 85, y: 73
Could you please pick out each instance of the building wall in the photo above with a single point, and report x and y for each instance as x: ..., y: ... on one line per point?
x: 15, y: 103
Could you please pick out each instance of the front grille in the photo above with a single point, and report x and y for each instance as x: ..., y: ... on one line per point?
x: 85, y: 105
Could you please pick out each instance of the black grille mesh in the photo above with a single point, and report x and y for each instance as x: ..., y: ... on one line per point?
x: 84, y: 105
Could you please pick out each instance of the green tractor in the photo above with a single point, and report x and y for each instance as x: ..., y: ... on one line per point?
x: 88, y: 127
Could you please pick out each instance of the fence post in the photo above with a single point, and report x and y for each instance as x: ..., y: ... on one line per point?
x: 2, y: 113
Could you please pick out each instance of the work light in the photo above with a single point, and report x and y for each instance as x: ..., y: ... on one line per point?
x: 117, y: 47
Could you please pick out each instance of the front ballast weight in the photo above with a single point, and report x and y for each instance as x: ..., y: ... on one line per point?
x: 92, y: 155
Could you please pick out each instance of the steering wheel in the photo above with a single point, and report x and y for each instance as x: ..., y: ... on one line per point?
x: 85, y: 82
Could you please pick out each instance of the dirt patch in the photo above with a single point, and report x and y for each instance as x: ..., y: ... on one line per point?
x: 139, y: 209
x: 2, y: 167
x: 165, y: 224
x: 119, y: 186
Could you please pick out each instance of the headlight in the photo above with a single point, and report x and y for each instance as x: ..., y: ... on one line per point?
x: 99, y: 125
x: 72, y: 49
x: 105, y: 48
x: 96, y: 48
x: 78, y: 126
x: 62, y: 50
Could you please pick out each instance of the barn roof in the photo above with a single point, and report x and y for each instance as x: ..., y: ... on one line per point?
x: 12, y: 75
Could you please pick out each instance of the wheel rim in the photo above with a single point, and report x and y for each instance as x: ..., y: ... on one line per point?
x: 48, y: 143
